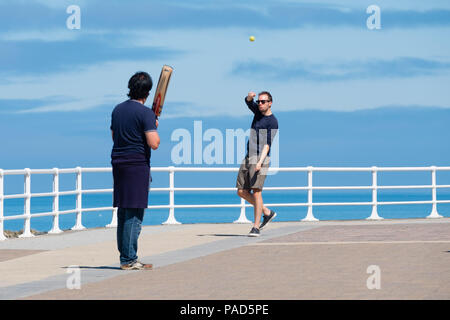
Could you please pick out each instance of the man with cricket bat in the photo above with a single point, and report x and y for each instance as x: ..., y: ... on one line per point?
x: 134, y: 132
x: 254, y: 167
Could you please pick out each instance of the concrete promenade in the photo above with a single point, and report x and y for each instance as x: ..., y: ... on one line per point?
x: 289, y: 261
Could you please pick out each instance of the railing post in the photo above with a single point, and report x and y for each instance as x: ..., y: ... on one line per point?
x: 113, y: 223
x: 27, y: 205
x: 171, y: 219
x: 434, y: 213
x: 2, y: 235
x: 78, y: 224
x: 242, y: 218
x: 374, y: 215
x: 55, y: 228
x: 309, y: 215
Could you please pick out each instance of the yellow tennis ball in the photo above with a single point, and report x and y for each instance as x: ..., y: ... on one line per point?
x: 252, y: 38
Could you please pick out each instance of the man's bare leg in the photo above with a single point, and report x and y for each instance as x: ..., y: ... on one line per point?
x: 246, y: 195
x: 258, y: 207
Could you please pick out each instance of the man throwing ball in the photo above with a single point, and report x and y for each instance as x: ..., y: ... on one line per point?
x: 254, y: 167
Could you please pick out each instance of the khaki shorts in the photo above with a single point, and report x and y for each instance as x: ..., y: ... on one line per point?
x: 247, y: 177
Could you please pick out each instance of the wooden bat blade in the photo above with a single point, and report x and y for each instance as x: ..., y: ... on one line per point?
x: 161, y: 89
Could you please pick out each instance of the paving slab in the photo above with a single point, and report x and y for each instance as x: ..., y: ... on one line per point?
x: 291, y: 260
x: 9, y: 254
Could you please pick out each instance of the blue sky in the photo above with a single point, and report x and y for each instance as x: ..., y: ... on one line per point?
x: 58, y: 86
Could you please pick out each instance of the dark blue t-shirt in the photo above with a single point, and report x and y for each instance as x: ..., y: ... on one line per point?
x: 129, y: 122
x: 264, y: 129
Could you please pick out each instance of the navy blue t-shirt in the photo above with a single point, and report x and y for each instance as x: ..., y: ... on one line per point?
x: 129, y: 122
x: 264, y: 129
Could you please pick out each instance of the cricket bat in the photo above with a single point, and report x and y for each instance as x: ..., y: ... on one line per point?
x: 161, y: 89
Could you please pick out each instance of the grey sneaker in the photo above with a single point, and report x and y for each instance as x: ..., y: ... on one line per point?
x: 136, y: 266
x: 254, y: 232
x: 267, y: 219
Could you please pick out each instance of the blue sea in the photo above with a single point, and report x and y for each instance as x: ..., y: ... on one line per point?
x: 228, y: 215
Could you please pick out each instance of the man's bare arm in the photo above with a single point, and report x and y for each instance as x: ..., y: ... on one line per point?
x: 152, y: 138
x: 264, y: 153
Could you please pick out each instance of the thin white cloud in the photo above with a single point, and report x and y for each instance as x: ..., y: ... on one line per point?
x: 52, y: 4
x: 50, y: 35
x: 76, y: 105
x: 44, y: 35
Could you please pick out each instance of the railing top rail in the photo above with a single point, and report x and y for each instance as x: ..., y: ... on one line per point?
x: 223, y: 169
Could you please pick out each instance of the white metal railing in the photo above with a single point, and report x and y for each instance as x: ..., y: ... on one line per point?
x: 78, y: 192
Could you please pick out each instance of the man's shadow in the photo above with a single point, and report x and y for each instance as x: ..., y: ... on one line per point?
x: 222, y: 235
x: 97, y: 268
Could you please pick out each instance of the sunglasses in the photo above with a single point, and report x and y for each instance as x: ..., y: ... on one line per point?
x: 262, y: 101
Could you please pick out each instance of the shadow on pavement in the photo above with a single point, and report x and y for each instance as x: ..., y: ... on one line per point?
x: 98, y: 268
x: 222, y: 235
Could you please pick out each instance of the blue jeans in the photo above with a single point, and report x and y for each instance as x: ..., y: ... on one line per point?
x: 129, y: 221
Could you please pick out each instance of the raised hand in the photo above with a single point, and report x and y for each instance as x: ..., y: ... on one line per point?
x: 251, y: 95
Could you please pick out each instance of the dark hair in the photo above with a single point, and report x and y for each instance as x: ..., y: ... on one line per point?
x: 266, y: 93
x: 140, y: 85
